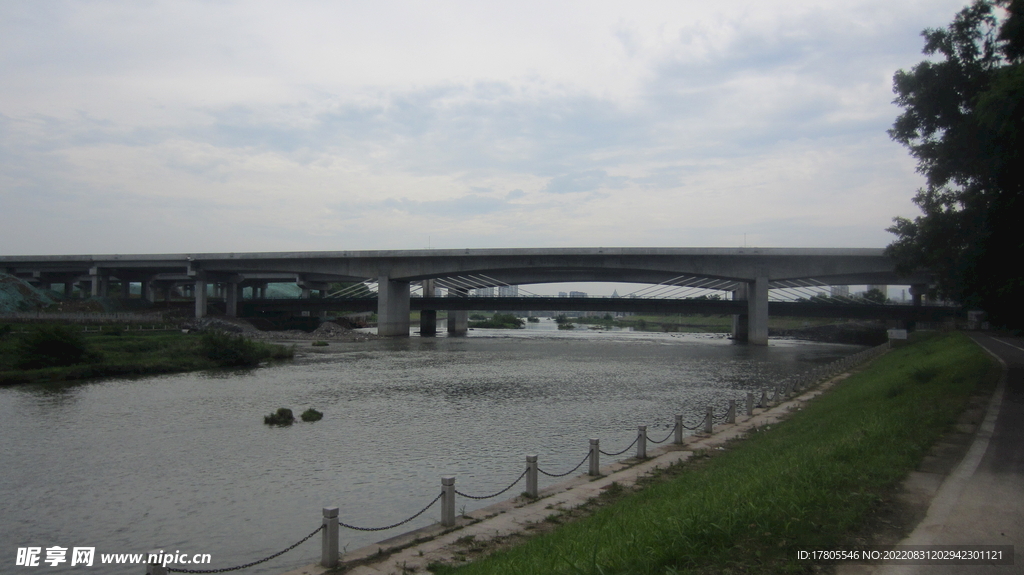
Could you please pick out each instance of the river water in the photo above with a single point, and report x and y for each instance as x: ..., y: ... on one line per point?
x: 184, y: 462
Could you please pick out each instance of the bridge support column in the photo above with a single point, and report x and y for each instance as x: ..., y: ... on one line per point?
x: 740, y: 322
x: 757, y: 310
x: 392, y: 307
x: 126, y: 289
x: 100, y: 282
x: 231, y: 298
x: 428, y: 317
x: 458, y: 319
x: 200, y: 294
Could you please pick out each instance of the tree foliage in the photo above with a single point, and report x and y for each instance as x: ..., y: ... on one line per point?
x: 963, y: 120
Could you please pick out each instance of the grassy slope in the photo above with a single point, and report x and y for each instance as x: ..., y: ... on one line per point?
x: 806, y: 483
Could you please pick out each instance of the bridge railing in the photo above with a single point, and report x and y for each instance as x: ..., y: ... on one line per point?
x: 725, y: 413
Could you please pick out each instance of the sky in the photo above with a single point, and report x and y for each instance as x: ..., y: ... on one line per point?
x: 151, y: 126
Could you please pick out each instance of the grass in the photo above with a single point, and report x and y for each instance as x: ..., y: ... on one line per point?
x: 130, y: 353
x: 807, y: 483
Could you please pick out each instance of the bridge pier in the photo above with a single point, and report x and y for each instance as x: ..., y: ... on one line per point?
x: 392, y: 307
x: 752, y: 327
x: 200, y: 295
x: 458, y: 319
x: 428, y: 317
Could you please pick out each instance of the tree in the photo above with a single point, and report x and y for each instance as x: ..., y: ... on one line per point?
x: 963, y: 121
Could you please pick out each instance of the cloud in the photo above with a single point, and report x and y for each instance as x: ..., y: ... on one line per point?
x: 247, y: 125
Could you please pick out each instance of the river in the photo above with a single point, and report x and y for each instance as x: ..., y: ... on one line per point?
x: 184, y: 462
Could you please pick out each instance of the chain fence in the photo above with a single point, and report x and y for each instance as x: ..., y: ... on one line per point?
x: 393, y: 525
x: 518, y: 479
x: 247, y: 565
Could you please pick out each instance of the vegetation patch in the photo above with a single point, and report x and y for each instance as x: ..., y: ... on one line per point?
x: 808, y: 482
x: 500, y: 321
x: 283, y: 416
x: 55, y: 352
x: 311, y: 415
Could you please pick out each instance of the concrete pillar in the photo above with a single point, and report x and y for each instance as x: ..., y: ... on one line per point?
x: 100, y: 282
x: 740, y: 322
x: 231, y: 299
x: 595, y: 458
x: 709, y: 422
x: 428, y: 317
x: 69, y: 288
x: 146, y: 291
x: 678, y: 440
x: 126, y: 289
x: 531, y: 476
x: 329, y: 534
x: 200, y: 294
x: 641, y: 442
x: 458, y: 320
x: 155, y: 568
x: 447, y: 500
x: 757, y: 310
x: 731, y: 415
x: 750, y: 404
x: 392, y: 307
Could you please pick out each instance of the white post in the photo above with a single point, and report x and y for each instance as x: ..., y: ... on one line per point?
x: 153, y: 566
x: 448, y: 500
x: 595, y: 457
x: 531, y: 476
x: 679, y: 430
x: 329, y: 534
x: 641, y: 442
x: 707, y: 421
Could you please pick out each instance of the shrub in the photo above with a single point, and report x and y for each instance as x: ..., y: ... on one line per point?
x: 283, y: 416
x: 319, y: 343
x: 230, y: 350
x: 53, y: 346
x: 312, y: 415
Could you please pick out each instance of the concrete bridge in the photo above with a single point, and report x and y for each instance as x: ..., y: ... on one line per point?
x: 746, y: 272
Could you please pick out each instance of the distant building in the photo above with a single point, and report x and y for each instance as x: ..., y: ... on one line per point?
x: 577, y: 294
x: 840, y: 291
x: 484, y: 292
x: 562, y: 294
x: 508, y: 291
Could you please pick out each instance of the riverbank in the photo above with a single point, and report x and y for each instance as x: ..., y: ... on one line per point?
x: 817, y: 480
x: 40, y: 352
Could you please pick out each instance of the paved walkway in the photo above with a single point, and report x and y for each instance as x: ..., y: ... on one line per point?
x: 412, y: 552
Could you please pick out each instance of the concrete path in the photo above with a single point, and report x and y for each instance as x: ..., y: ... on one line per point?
x: 413, y: 551
x: 981, y: 502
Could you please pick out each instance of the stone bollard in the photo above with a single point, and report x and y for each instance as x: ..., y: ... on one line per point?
x: 731, y: 416
x: 750, y: 404
x: 641, y: 442
x: 155, y: 568
x: 763, y: 404
x: 708, y: 423
x: 679, y: 430
x: 531, y: 476
x: 329, y: 538
x: 595, y: 458
x: 448, y: 500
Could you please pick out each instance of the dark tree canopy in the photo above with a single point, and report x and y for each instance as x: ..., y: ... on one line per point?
x: 963, y: 120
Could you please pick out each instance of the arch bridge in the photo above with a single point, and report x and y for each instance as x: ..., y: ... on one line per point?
x: 746, y: 272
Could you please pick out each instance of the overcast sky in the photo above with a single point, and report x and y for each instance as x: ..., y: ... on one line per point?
x: 182, y: 126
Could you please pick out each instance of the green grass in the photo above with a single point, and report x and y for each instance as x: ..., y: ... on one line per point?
x: 134, y: 353
x: 805, y: 483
